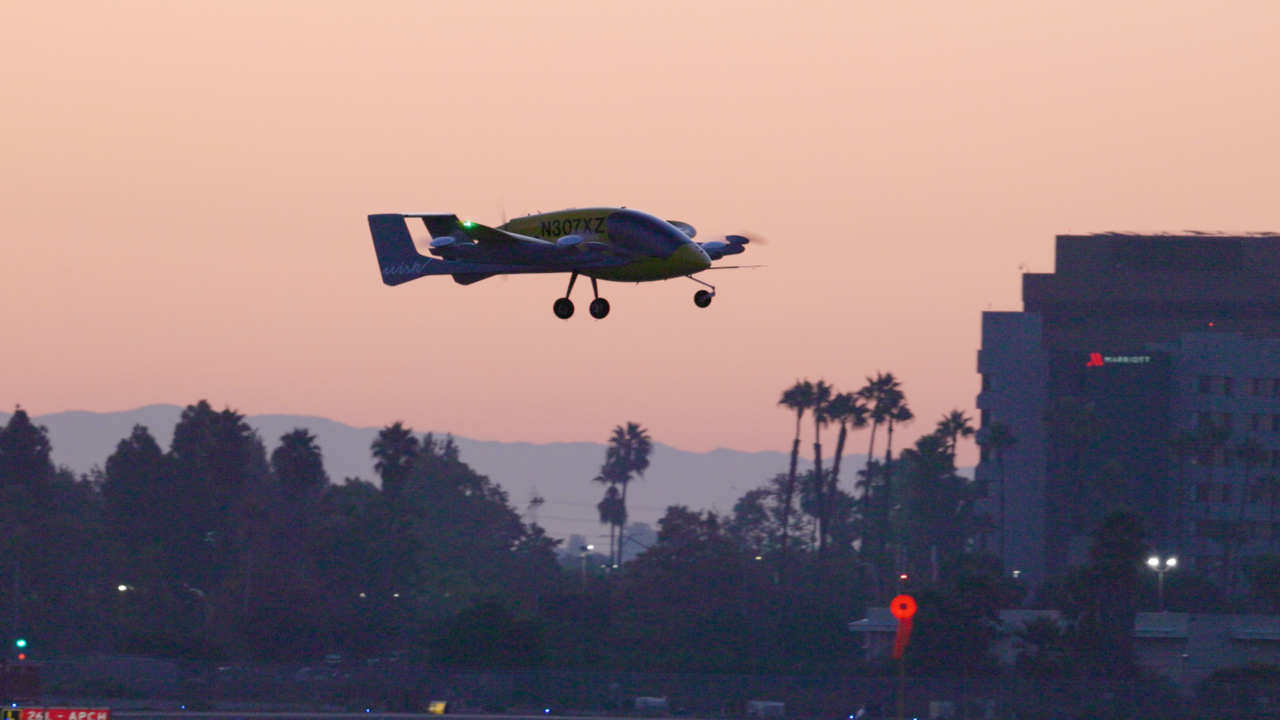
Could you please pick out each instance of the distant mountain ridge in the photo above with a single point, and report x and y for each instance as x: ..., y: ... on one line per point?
x: 560, y: 473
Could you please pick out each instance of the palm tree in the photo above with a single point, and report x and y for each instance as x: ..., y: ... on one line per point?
x: 996, y: 439
x: 953, y: 426
x: 298, y: 463
x: 848, y: 410
x: 626, y: 455
x: 396, y: 450
x: 613, y: 512
x: 896, y: 413
x: 798, y: 397
x: 819, y: 402
x: 872, y: 394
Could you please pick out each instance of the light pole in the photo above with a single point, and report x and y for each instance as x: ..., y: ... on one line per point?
x: 1161, y: 567
x: 584, y: 551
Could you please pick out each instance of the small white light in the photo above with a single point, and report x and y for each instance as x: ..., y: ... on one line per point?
x: 1173, y: 562
x: 1153, y: 561
x: 122, y: 588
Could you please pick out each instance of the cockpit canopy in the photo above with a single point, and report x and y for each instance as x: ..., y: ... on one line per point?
x: 644, y: 234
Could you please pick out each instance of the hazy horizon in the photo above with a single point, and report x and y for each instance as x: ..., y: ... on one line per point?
x: 187, y: 189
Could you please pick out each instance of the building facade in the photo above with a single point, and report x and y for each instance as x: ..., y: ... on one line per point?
x: 1143, y: 374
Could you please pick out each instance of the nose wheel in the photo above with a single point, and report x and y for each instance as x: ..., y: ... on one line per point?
x: 702, y: 298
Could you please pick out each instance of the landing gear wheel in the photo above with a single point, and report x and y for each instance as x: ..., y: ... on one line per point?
x: 599, y: 308
x: 702, y: 298
x: 563, y: 308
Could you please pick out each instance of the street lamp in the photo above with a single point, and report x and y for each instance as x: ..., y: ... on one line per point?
x: 1161, y: 567
x: 585, y: 549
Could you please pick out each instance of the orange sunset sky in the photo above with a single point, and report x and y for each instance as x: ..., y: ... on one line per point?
x: 184, y: 189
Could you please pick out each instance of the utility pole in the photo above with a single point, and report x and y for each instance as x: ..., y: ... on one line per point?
x: 17, y: 567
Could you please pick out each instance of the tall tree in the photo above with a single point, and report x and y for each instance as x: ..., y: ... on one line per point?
x: 626, y: 457
x: 299, y: 465
x: 997, y: 439
x: 24, y: 453
x: 953, y: 426
x: 613, y: 512
x: 1114, y: 568
x: 797, y: 398
x: 819, y: 403
x: 896, y: 413
x: 396, y: 452
x: 850, y: 412
x: 134, y: 484
x: 873, y: 395
x: 215, y: 457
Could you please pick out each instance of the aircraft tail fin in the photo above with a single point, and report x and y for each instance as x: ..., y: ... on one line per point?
x: 398, y: 259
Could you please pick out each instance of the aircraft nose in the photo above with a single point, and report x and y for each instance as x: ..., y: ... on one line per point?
x: 692, y: 257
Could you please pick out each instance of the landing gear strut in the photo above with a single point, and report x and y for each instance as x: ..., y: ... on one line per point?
x: 563, y: 307
x: 599, y: 307
x: 702, y: 298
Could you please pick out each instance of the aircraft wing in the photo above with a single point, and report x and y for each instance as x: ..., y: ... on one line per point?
x: 471, y: 252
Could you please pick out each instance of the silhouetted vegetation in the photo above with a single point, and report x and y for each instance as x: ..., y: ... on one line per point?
x: 220, y: 549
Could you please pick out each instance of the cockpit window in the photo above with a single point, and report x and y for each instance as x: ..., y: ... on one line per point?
x: 644, y: 233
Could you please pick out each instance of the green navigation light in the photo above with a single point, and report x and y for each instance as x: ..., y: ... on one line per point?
x: 468, y: 223
x: 21, y: 643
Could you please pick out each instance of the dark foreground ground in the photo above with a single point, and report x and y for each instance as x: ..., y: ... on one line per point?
x: 138, y: 688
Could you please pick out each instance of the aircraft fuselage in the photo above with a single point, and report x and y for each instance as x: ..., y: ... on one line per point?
x: 659, y: 250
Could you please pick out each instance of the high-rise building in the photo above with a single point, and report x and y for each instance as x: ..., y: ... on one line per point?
x: 1143, y: 374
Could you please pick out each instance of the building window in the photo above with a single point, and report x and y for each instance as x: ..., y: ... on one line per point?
x: 984, y: 418
x: 1257, y: 422
x: 1227, y: 386
x: 1275, y: 386
x: 1206, y: 385
x: 1275, y: 423
x: 1256, y: 386
x: 986, y: 382
x: 1225, y: 421
x: 1205, y: 419
x: 1275, y: 458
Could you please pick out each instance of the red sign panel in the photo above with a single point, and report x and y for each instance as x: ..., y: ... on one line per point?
x: 66, y: 714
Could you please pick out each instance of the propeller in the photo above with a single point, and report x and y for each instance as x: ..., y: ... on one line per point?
x: 729, y: 245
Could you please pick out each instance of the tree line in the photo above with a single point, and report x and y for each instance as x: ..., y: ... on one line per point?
x: 219, y: 548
